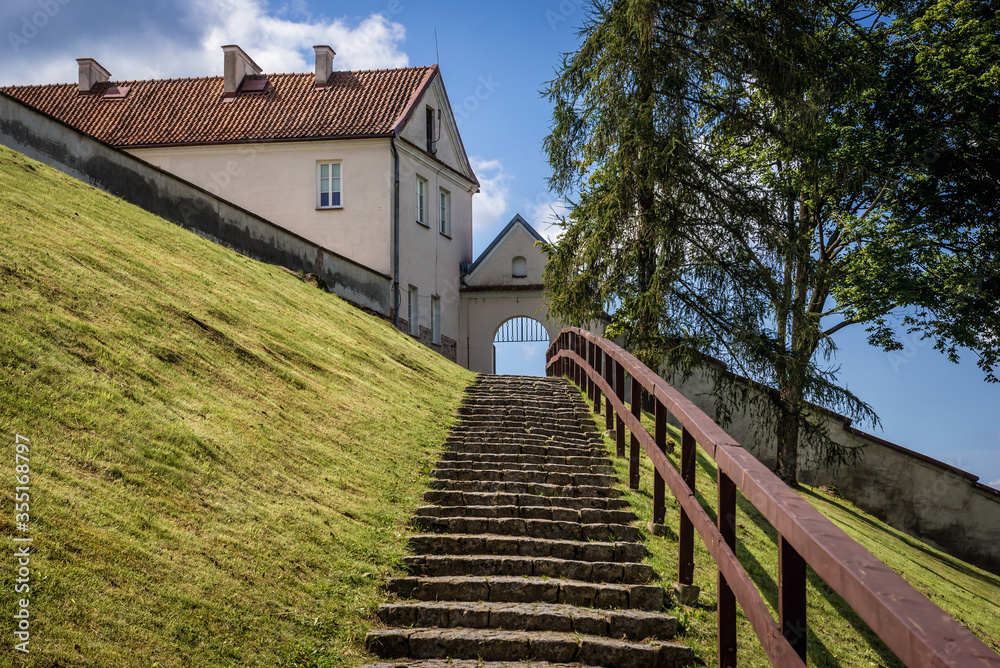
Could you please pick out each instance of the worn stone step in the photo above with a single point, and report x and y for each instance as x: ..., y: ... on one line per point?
x: 503, y: 460
x: 548, y: 467
x: 467, y: 544
x: 529, y: 590
x: 490, y: 645
x: 576, y: 515
x: 498, y: 436
x: 514, y: 566
x: 443, y: 497
x: 628, y: 624
x: 515, y: 526
x: 526, y: 476
x: 513, y: 447
x: 541, y: 489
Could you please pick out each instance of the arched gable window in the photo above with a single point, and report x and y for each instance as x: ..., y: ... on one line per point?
x: 519, y: 267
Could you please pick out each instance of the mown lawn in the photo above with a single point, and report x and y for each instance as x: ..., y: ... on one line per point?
x: 837, y: 637
x: 222, y: 457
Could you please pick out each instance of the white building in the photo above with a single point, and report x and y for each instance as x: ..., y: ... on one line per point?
x: 368, y: 165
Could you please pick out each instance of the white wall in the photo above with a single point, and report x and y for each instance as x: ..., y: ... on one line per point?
x: 278, y: 182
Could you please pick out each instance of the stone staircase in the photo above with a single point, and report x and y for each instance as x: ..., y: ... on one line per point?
x: 526, y: 555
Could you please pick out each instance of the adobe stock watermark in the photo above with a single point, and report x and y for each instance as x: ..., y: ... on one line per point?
x: 484, y: 91
x: 911, y: 346
x: 35, y: 22
x: 233, y: 168
x: 22, y: 543
x: 562, y: 13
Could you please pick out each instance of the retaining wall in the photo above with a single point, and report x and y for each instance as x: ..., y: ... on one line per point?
x: 56, y: 144
x: 926, y: 498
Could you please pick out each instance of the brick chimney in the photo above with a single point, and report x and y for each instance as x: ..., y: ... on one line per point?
x: 324, y: 64
x: 91, y: 73
x: 238, y: 65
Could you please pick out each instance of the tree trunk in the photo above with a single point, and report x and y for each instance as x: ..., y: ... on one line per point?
x: 787, y: 433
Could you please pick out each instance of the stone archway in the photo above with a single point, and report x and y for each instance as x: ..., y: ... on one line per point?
x: 520, y: 332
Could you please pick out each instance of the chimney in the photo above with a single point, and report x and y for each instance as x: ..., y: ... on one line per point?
x: 238, y: 65
x: 324, y: 64
x: 91, y: 73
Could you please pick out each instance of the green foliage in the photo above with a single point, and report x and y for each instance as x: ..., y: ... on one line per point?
x: 223, y: 457
x: 753, y: 177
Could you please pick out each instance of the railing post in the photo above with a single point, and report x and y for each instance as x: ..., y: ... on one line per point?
x: 609, y: 377
x: 726, y: 609
x: 598, y: 362
x: 633, y: 454
x: 792, y: 596
x: 660, y: 434
x: 578, y: 348
x: 591, y: 385
x: 685, y: 531
x: 619, y: 423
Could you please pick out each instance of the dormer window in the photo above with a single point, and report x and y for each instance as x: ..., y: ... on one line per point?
x: 431, y: 131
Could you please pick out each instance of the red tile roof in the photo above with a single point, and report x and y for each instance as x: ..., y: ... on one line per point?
x: 191, y: 111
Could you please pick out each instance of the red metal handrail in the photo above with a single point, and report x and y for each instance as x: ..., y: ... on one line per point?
x: 916, y: 630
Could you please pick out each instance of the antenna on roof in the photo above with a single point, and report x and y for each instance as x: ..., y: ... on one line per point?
x: 437, y: 53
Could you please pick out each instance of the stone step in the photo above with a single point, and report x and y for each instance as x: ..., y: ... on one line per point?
x: 571, y: 550
x: 524, y: 459
x: 519, y: 447
x: 512, y: 566
x: 527, y: 476
x: 529, y: 590
x: 540, y: 489
x: 628, y: 624
x: 443, y: 497
x: 515, y: 526
x: 489, y: 645
x: 498, y: 435
x: 550, y: 467
x: 580, y: 516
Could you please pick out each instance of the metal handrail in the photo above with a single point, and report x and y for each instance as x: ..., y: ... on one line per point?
x: 914, y: 628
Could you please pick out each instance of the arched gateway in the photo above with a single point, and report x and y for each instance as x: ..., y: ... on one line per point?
x: 503, y: 286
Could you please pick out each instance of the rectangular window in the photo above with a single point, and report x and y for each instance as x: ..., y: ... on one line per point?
x: 436, y: 320
x: 411, y: 311
x: 328, y: 185
x: 429, y: 114
x: 422, y: 202
x: 445, y: 198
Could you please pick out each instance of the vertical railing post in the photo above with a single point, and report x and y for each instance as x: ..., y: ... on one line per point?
x: 726, y: 609
x: 609, y: 377
x: 792, y: 596
x: 660, y: 435
x: 591, y: 385
x: 598, y: 365
x: 619, y: 423
x: 633, y: 453
x: 685, y: 531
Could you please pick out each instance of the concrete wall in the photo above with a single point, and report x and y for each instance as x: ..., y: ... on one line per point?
x: 928, y: 499
x: 54, y: 143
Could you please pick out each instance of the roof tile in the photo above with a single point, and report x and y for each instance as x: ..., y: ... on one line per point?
x: 191, y: 111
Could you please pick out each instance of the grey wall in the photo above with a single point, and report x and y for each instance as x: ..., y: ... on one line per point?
x: 928, y: 499
x: 81, y: 156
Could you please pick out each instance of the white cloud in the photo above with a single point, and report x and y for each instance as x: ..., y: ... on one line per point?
x: 279, y: 40
x: 995, y: 484
x: 490, y: 205
x: 544, y: 213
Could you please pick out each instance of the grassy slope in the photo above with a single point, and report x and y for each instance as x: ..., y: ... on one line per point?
x: 836, y: 635
x: 223, y: 457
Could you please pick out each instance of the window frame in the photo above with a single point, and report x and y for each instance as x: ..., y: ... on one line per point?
x: 413, y: 310
x: 436, y: 320
x: 444, y: 206
x: 319, y: 184
x: 421, y: 202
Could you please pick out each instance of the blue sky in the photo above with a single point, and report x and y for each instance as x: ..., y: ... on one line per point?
x: 494, y: 57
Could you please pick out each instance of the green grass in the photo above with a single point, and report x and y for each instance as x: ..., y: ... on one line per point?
x: 836, y: 635
x: 223, y: 458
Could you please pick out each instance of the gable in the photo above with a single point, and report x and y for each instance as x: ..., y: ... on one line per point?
x: 494, y: 269
x: 448, y: 147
